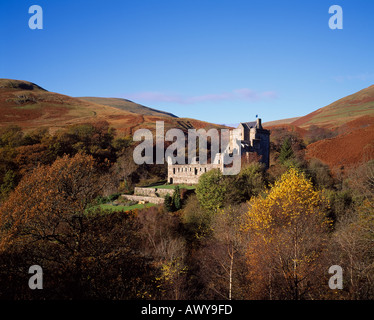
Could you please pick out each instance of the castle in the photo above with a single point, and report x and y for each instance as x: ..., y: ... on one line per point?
x: 253, y: 138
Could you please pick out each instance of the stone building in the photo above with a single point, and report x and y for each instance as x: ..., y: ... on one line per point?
x: 254, y: 138
x: 189, y: 173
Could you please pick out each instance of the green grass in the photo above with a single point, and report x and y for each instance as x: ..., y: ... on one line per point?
x: 343, y: 114
x: 125, y: 208
x: 29, y: 106
x: 172, y: 186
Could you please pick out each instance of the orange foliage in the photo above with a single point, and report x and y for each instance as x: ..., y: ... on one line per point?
x: 45, y: 201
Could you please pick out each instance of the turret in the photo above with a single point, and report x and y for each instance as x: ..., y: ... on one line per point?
x: 258, y: 124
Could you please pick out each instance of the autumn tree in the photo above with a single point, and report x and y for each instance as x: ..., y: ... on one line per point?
x: 352, y: 242
x: 196, y: 220
x: 223, y: 270
x: 86, y: 253
x: 49, y: 204
x: 320, y: 174
x: 288, y: 231
x: 352, y: 249
x: 166, y: 246
x: 11, y: 136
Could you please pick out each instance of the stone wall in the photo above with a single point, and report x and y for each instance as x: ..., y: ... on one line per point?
x: 156, y: 200
x: 153, y: 192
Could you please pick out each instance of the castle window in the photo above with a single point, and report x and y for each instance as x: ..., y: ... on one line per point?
x: 173, y: 170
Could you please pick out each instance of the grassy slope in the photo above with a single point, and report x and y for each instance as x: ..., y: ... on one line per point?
x: 126, y: 208
x: 341, y: 111
x: 280, y: 122
x: 127, y: 105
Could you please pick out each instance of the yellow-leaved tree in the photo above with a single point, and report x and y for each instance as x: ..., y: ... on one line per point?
x: 288, y: 230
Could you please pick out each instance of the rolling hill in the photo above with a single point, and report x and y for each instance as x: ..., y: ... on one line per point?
x: 280, y: 122
x: 127, y: 105
x: 29, y: 106
x: 351, y: 118
x: 341, y: 111
x: 350, y: 121
x: 353, y: 146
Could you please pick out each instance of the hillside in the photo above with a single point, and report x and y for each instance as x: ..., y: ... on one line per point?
x: 344, y: 130
x: 127, y: 105
x: 29, y: 106
x: 353, y: 146
x: 341, y: 111
x: 280, y: 122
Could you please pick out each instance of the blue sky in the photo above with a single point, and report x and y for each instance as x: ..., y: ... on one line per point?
x: 222, y: 61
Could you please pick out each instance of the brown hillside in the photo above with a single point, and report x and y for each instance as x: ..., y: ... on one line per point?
x: 128, y: 105
x: 288, y: 127
x: 29, y: 106
x: 353, y: 146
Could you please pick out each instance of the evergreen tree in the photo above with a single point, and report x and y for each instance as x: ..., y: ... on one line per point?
x: 168, y: 203
x: 286, y: 151
x: 177, y: 199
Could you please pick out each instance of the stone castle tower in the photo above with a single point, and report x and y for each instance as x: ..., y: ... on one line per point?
x: 254, y: 138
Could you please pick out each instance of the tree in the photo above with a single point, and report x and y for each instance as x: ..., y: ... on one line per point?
x: 210, y: 190
x: 167, y: 247
x: 177, y: 199
x: 49, y: 196
x: 11, y: 136
x: 222, y: 259
x: 288, y: 230
x: 353, y: 250
x: 353, y: 240
x: 286, y: 151
x: 46, y: 221
x: 49, y: 204
x: 174, y: 202
x: 168, y: 205
x: 320, y: 173
x: 249, y: 182
x: 8, y: 184
x: 197, y: 220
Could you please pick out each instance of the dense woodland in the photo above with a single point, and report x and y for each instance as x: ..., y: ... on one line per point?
x: 262, y: 234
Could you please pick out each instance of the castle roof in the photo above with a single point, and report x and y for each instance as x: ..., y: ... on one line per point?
x: 248, y: 125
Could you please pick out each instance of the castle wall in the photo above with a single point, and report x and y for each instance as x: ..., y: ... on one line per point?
x: 152, y: 192
x: 156, y: 200
x: 188, y: 173
x: 260, y: 141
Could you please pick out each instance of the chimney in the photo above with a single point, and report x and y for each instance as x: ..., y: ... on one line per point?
x: 258, y: 124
